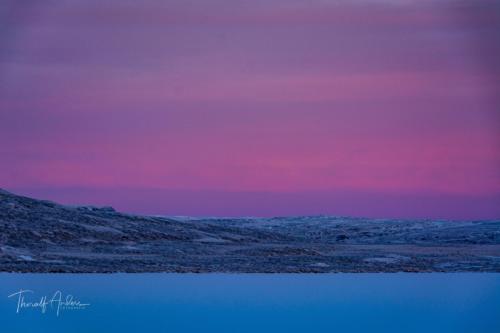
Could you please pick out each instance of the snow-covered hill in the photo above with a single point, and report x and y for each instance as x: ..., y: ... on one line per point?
x: 43, y: 236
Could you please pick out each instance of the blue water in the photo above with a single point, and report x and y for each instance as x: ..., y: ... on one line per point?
x: 256, y: 303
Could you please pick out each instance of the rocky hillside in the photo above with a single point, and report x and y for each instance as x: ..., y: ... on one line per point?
x: 43, y: 236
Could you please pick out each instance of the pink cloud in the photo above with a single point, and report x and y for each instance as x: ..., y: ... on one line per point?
x: 267, y: 96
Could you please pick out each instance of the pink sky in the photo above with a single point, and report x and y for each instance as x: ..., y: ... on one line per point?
x: 371, y: 108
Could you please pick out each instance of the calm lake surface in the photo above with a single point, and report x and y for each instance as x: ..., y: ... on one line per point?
x: 253, y: 303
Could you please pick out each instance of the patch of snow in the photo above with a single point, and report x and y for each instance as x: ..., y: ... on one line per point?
x: 100, y: 228
x: 320, y: 264
x: 210, y: 240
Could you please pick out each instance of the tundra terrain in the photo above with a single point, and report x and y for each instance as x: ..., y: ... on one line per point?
x: 43, y: 236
